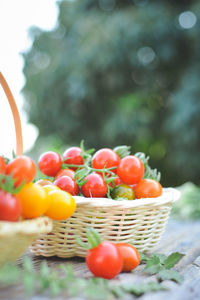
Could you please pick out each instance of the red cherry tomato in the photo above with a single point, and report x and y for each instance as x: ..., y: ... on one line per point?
x: 105, y: 158
x: 104, y: 260
x: 65, y: 172
x: 95, y: 186
x: 130, y: 255
x: 2, y: 165
x: 73, y: 156
x: 130, y: 169
x: 50, y: 163
x: 10, y: 207
x: 67, y: 184
x: 148, y: 188
x: 22, y: 168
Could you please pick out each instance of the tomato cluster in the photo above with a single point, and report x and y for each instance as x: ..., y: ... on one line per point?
x: 106, y: 173
x: 106, y: 259
x: 20, y: 198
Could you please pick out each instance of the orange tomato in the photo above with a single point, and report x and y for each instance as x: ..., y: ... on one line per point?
x: 62, y: 205
x: 65, y: 172
x: 148, y: 188
x: 34, y: 199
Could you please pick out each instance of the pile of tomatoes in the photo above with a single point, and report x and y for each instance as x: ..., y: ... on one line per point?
x: 21, y: 198
x: 113, y: 173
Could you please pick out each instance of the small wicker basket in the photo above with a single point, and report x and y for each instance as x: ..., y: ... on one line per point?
x: 15, y: 237
x: 138, y: 222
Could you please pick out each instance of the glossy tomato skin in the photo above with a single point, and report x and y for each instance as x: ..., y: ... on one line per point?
x: 131, y: 169
x: 65, y: 172
x: 123, y: 191
x: 34, y: 200
x: 104, y: 261
x: 73, y: 156
x: 62, y: 205
x: 2, y: 165
x: 50, y: 163
x: 148, y: 188
x: 95, y: 186
x: 130, y: 255
x: 105, y: 158
x: 22, y: 169
x: 10, y: 207
x: 67, y: 184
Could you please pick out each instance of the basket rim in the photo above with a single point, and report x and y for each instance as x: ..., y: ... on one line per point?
x: 168, y: 196
x: 26, y: 227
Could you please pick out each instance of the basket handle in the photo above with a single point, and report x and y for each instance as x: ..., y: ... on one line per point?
x: 15, y: 113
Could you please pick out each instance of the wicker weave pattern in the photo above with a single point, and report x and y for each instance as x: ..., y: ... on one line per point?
x: 138, y: 222
x: 16, y: 237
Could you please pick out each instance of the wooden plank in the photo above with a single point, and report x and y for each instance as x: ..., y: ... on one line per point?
x: 179, y: 236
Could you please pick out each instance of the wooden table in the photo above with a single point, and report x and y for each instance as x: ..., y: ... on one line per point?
x: 183, y: 237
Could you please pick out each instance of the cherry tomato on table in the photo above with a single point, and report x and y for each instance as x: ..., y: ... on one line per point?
x: 50, y: 163
x: 130, y: 255
x: 10, y: 207
x: 95, y: 186
x: 67, y: 184
x: 102, y: 258
x: 22, y: 169
x: 148, y: 188
x: 130, y: 169
x: 105, y: 158
x: 73, y: 156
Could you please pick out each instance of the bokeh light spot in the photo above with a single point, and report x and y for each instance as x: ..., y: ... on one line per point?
x: 187, y: 19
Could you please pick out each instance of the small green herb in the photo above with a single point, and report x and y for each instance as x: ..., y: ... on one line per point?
x: 149, y: 172
x: 170, y: 275
x: 172, y: 259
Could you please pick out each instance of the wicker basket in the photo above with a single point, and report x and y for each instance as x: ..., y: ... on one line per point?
x: 138, y: 222
x: 15, y: 237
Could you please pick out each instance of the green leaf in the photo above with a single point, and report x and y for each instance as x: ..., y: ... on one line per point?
x: 143, y: 257
x: 170, y: 275
x: 172, y: 259
x: 29, y: 282
x: 162, y: 257
x: 141, y: 288
x: 9, y: 274
x: 153, y: 265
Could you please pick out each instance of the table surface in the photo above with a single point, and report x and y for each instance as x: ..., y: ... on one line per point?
x: 180, y: 236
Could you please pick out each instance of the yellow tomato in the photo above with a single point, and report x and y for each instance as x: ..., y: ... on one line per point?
x: 50, y: 187
x: 34, y: 199
x: 62, y: 205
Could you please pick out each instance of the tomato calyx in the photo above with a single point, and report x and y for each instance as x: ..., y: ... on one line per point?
x: 122, y: 151
x: 7, y: 184
x: 149, y: 172
x: 93, y: 237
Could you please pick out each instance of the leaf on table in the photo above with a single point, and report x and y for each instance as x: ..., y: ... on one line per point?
x: 162, y: 257
x: 143, y: 257
x: 9, y: 274
x: 153, y: 265
x: 170, y: 275
x: 141, y: 288
x: 172, y: 259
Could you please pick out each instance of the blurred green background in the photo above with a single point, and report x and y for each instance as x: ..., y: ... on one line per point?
x: 117, y: 72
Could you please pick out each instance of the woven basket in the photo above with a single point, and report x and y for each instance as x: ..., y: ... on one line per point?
x: 15, y: 237
x: 138, y: 222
